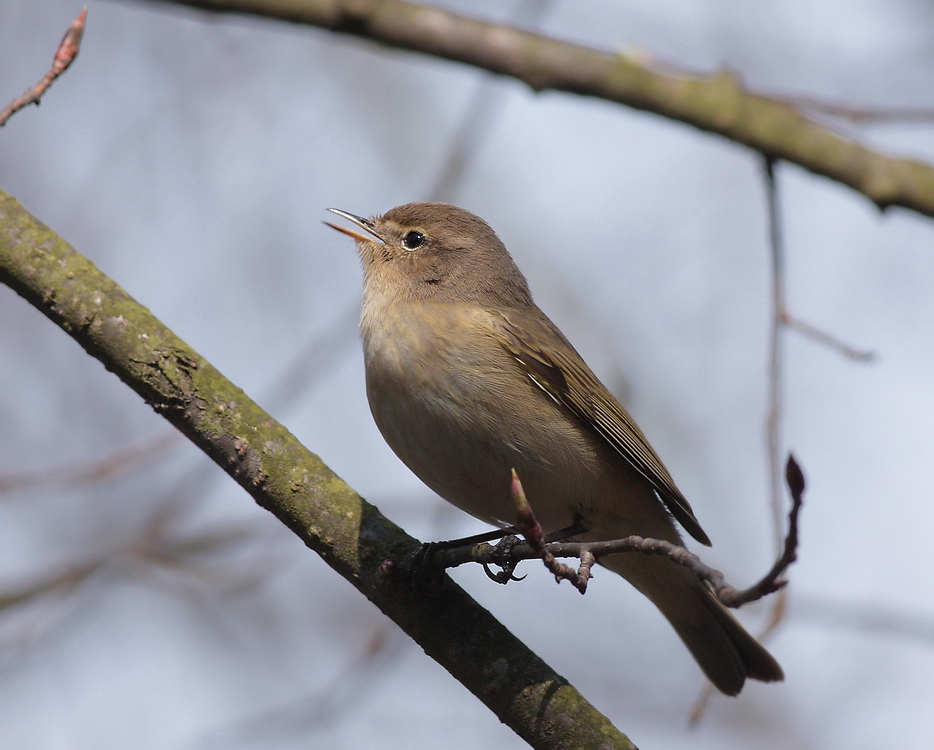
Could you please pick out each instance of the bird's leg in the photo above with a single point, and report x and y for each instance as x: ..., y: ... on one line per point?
x: 502, y: 553
x: 421, y: 565
x: 567, y: 532
x: 470, y: 541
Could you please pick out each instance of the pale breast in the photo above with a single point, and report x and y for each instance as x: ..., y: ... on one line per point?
x: 460, y: 413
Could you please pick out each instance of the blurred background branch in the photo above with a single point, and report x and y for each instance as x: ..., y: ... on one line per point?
x: 717, y: 103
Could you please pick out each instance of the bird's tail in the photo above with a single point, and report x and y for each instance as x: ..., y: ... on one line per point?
x: 726, y: 652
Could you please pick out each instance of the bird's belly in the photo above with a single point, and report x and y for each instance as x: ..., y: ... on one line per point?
x: 465, y: 468
x: 462, y: 424
x: 463, y: 441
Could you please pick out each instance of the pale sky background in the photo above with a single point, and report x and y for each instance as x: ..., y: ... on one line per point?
x: 191, y: 156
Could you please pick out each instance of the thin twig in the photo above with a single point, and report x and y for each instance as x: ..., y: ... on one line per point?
x: 858, y: 114
x: 82, y: 473
x: 58, y: 583
x: 64, y: 56
x: 510, y: 554
x: 827, y: 339
x: 478, y: 119
x: 528, y: 525
x: 773, y: 420
x: 795, y: 480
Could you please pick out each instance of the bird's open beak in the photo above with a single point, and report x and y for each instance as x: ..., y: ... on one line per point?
x: 364, y: 224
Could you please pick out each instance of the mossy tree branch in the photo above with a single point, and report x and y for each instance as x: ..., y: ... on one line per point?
x: 295, y: 485
x: 717, y: 104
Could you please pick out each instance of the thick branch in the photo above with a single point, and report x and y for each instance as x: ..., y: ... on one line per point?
x: 295, y: 485
x: 717, y: 104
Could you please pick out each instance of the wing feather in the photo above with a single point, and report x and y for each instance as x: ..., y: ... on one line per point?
x: 565, y: 377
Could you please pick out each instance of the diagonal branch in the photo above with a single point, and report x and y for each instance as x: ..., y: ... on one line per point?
x: 295, y: 485
x: 717, y: 104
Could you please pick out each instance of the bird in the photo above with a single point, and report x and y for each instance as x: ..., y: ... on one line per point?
x: 468, y: 380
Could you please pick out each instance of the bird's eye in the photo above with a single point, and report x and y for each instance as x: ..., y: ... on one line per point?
x: 413, y: 240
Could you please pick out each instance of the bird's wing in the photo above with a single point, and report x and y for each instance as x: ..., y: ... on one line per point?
x: 565, y: 377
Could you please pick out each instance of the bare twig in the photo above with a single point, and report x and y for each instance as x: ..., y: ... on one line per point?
x: 772, y: 581
x: 80, y: 473
x: 773, y: 420
x: 827, y: 339
x: 528, y: 525
x: 589, y: 552
x: 480, y: 115
x: 55, y: 584
x: 857, y: 114
x: 775, y: 380
x: 64, y: 56
x: 159, y: 545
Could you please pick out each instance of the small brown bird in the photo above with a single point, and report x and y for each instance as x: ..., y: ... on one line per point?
x: 468, y: 379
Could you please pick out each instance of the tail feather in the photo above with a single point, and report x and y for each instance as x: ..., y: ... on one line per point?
x: 725, y: 651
